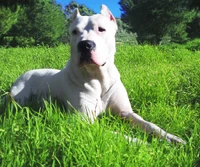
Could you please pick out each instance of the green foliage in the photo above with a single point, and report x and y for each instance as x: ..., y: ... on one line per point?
x: 152, y: 20
x: 39, y: 22
x: 8, y: 17
x: 49, y: 25
x: 43, y: 22
x: 163, y: 84
x: 194, y: 26
x: 82, y: 9
x: 193, y: 45
x: 124, y: 34
x: 22, y: 41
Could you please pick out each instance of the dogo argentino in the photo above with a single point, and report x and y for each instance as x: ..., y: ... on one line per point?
x: 90, y: 81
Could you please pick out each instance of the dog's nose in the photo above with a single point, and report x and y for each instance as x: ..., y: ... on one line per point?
x: 86, y: 46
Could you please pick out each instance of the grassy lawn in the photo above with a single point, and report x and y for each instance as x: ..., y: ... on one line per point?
x: 163, y: 83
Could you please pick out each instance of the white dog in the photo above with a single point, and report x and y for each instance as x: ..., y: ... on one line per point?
x: 90, y: 82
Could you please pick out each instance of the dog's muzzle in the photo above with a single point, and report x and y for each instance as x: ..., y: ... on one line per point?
x: 85, y: 48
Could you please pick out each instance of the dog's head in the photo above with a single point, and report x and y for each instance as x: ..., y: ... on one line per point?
x: 92, y: 38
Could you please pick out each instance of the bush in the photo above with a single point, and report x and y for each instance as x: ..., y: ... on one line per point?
x: 166, y: 40
x: 193, y: 45
x: 22, y: 41
x: 124, y: 34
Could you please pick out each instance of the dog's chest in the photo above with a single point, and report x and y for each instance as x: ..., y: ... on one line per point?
x: 92, y: 97
x: 98, y: 95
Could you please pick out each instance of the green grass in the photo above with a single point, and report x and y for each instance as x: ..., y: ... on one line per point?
x: 163, y: 83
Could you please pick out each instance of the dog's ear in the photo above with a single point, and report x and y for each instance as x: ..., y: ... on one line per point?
x: 105, y: 11
x: 75, y: 15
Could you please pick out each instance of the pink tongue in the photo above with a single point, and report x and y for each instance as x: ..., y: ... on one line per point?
x: 95, y: 60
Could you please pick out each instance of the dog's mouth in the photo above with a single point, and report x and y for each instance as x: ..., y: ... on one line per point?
x: 87, y: 59
x: 88, y: 55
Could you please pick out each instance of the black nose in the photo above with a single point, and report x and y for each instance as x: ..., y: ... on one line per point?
x: 86, y: 46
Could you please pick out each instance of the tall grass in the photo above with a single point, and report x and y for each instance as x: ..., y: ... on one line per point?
x: 163, y: 85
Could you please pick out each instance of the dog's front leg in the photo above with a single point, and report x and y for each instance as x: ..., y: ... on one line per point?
x: 150, y: 127
x: 120, y: 105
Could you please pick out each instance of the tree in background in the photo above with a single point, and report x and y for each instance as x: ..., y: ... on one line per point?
x: 49, y: 22
x: 193, y: 28
x: 8, y: 17
x: 124, y: 33
x: 85, y: 11
x: 154, y: 19
x: 33, y: 22
x: 37, y: 22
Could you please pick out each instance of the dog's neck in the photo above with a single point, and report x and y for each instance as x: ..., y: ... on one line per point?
x: 92, y: 77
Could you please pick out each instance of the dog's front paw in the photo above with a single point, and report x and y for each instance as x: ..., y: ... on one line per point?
x: 174, y: 139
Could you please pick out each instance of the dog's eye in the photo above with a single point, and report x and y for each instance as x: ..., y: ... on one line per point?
x: 75, y: 32
x: 100, y: 29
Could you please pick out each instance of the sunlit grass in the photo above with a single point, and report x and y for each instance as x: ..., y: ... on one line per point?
x: 163, y: 84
